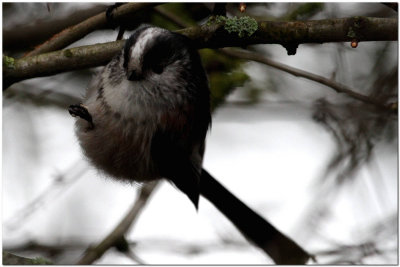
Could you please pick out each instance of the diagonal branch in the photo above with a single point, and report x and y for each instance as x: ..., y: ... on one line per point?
x: 339, y: 88
x: 74, y: 33
x: 119, y: 231
x: 214, y: 36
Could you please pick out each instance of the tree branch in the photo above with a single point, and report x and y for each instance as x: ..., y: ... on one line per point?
x: 214, y: 36
x: 297, y: 32
x: 74, y: 33
x: 294, y: 71
x: 47, y: 64
x: 339, y: 88
x: 336, y: 30
x: 119, y: 231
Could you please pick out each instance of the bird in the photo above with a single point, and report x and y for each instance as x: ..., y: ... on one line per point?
x: 145, y: 117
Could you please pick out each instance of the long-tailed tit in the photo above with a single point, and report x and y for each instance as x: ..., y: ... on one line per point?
x: 145, y: 117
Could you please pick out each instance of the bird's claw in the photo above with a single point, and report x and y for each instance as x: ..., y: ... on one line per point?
x: 82, y: 112
x: 109, y: 15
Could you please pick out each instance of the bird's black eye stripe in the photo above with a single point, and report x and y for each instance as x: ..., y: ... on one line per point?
x: 159, y: 52
x: 158, y: 68
x: 163, y: 51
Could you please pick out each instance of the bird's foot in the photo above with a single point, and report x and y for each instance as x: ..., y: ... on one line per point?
x: 82, y: 112
x: 110, y: 16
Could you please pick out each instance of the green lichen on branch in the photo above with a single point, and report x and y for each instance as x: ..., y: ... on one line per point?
x: 220, y: 19
x: 68, y: 53
x: 351, y: 33
x: 356, y: 25
x: 216, y: 20
x: 243, y: 26
x: 8, y: 62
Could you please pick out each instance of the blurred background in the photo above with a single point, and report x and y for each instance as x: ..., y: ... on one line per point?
x: 320, y: 166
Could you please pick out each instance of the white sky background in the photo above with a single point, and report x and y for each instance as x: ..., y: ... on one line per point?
x: 269, y: 155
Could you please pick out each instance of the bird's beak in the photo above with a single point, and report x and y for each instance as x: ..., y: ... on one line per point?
x: 133, y: 76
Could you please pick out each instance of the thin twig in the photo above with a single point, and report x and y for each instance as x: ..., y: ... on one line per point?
x: 74, y: 33
x: 92, y: 254
x: 54, y: 190
x: 304, y: 74
x: 132, y: 255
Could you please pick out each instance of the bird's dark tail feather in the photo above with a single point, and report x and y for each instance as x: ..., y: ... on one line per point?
x: 279, y: 247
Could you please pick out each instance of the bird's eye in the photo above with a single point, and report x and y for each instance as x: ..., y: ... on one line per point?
x: 158, y: 69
